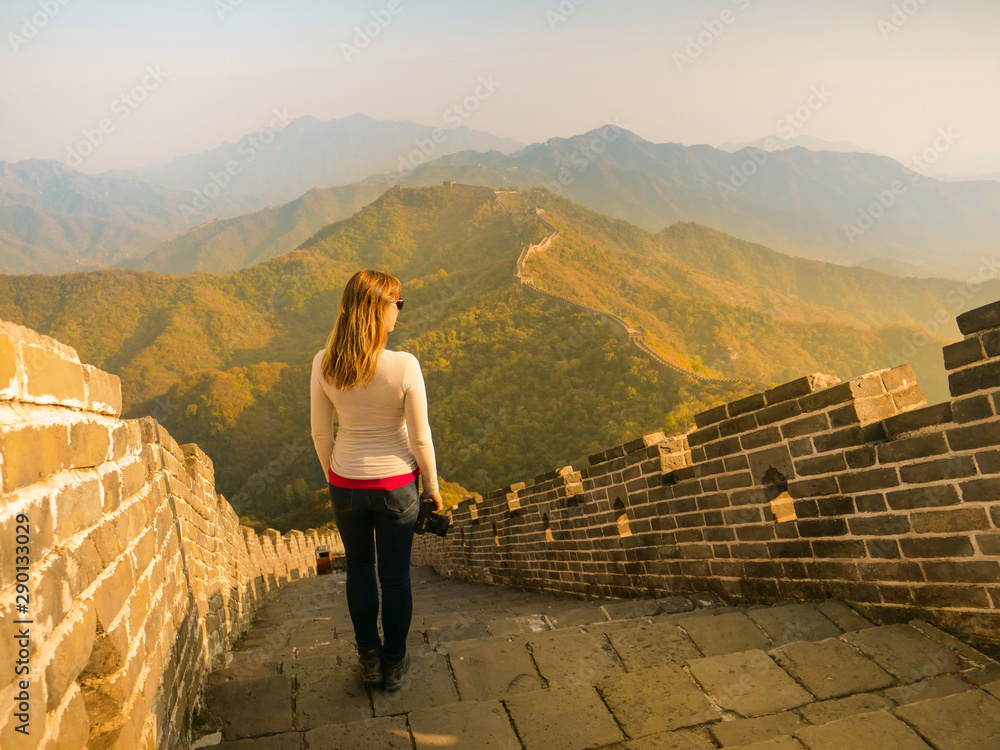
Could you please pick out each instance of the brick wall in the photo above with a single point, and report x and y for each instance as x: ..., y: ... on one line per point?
x: 139, y: 574
x: 884, y: 502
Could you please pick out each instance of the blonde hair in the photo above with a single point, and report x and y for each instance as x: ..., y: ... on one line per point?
x: 359, y: 335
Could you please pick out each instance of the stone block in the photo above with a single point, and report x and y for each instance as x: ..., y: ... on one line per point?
x: 33, y: 453
x: 826, y: 711
x: 748, y: 683
x: 51, y: 378
x: 563, y: 719
x: 965, y: 721
x: 71, y: 644
x: 904, y: 652
x: 388, y: 733
x: 874, y: 730
x: 794, y: 622
x: 724, y: 634
x: 574, y: 659
x: 831, y: 668
x: 467, y: 726
x: 104, y: 391
x: 744, y: 732
x: 492, y: 668
x: 77, y: 506
x: 109, y: 651
x: 656, y: 700
x: 111, y: 592
x: 89, y: 444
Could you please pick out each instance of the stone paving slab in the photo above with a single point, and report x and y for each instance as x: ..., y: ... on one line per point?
x: 518, y: 625
x: 465, y: 726
x: 794, y: 622
x: 832, y: 710
x: 428, y: 683
x: 630, y: 609
x: 831, y: 668
x: 253, y: 706
x: 843, y: 616
x: 671, y: 605
x: 374, y: 734
x: 966, y: 721
x: 725, y: 634
x: 574, y: 659
x: 330, y: 696
x: 563, y: 719
x: 656, y: 700
x: 935, y: 687
x: 879, y: 731
x: 644, y: 646
x: 904, y: 651
x: 778, y: 743
x: 492, y: 668
x: 748, y: 683
x: 286, y: 741
x: 679, y: 740
x: 581, y: 615
x: 750, y: 731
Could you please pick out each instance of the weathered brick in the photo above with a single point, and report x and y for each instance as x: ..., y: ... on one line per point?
x: 932, y: 496
x: 800, y: 387
x: 906, y: 449
x: 868, y: 480
x: 737, y: 425
x: 760, y: 438
x: 8, y: 365
x: 889, y: 524
x: 779, y: 412
x: 965, y: 571
x: 989, y: 544
x: 981, y: 319
x: 711, y: 416
x: 822, y: 527
x: 981, y: 490
x: 973, y: 436
x: 872, y: 503
x: 77, y: 506
x: 890, y: 571
x: 974, y: 379
x: 805, y: 426
x: 104, y: 391
x: 918, y: 419
x: 52, y: 378
x: 879, y: 408
x: 814, y: 487
x: 824, y: 464
x: 953, y: 519
x: 988, y: 462
x: 963, y: 353
x: 746, y: 405
x: 724, y: 447
x: 89, y: 444
x: 938, y: 546
x: 972, y: 409
x: 843, y: 548
x: 882, y: 548
x: 835, y: 506
x: 32, y: 453
x: 861, y: 458
x: 938, y: 470
x: 950, y: 596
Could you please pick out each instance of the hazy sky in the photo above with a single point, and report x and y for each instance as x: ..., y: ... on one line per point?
x: 890, y: 74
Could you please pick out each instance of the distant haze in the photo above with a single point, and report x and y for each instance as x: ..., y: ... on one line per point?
x: 154, y: 81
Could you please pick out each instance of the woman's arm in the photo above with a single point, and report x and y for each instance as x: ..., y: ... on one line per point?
x: 417, y: 427
x: 320, y: 416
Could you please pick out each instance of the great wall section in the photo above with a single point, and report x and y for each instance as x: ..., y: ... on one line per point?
x: 127, y: 575
x: 633, y: 334
x: 813, y: 489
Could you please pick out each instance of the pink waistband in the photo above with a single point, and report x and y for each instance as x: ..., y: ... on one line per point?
x: 384, y: 483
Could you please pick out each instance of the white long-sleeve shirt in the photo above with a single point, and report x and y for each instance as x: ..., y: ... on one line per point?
x: 383, y: 427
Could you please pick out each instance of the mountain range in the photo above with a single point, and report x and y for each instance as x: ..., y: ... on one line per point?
x: 517, y: 382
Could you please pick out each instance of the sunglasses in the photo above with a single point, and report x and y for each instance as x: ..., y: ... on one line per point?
x: 399, y: 304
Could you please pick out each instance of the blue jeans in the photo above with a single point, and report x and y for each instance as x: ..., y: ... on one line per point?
x: 382, y: 521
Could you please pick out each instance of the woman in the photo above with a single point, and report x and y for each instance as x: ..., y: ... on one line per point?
x: 383, y: 444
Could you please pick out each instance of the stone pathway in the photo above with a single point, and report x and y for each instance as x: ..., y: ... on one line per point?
x: 501, y: 669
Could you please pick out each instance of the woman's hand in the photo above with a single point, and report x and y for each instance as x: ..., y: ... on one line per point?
x: 436, y: 497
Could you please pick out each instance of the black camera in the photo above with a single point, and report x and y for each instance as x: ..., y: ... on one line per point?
x: 428, y: 520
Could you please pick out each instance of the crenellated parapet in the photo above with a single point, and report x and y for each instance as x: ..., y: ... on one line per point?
x: 135, y: 575
x: 812, y: 489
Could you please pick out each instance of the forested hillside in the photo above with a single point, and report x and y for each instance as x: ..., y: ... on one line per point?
x: 518, y: 383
